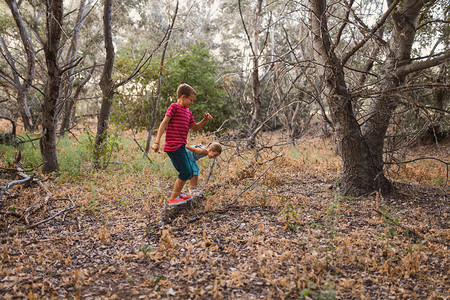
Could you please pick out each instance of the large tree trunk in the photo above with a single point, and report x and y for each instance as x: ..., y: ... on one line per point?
x: 51, y: 48
x: 106, y: 84
x: 23, y: 89
x: 361, y: 149
x: 399, y: 54
x: 359, y: 169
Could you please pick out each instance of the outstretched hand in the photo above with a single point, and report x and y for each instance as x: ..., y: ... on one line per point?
x: 155, y: 147
x: 207, y: 117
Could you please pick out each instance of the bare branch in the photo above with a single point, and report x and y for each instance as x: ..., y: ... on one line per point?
x: 158, y: 89
x: 399, y: 89
x: 210, y: 170
x: 25, y: 179
x: 245, y: 28
x: 433, y: 21
x: 414, y: 67
x: 371, y: 33
x: 54, y: 216
x: 344, y: 24
x: 71, y: 65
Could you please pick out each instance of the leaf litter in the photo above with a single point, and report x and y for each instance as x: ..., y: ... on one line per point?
x: 287, y: 237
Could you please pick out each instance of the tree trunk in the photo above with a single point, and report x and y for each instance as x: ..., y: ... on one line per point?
x: 78, y: 88
x: 382, y: 108
x: 361, y: 149
x: 361, y: 172
x: 23, y: 89
x: 54, y: 15
x: 158, y: 89
x: 106, y: 84
x: 68, y: 80
x: 256, y: 84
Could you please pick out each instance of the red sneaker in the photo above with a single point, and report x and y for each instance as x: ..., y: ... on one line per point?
x: 185, y: 197
x: 177, y: 201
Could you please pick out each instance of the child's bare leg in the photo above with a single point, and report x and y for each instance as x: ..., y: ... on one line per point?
x: 179, y: 184
x: 193, y: 182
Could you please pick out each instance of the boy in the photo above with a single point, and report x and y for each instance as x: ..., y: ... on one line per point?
x: 195, y: 153
x: 178, y: 120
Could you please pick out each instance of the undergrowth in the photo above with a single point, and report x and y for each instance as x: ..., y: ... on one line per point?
x: 284, y: 236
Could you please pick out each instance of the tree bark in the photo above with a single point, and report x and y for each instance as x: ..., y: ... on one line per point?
x: 361, y: 148
x: 23, y: 88
x: 256, y: 84
x: 78, y: 88
x: 158, y: 89
x: 358, y: 174
x: 399, y: 55
x: 68, y: 78
x: 106, y: 84
x: 54, y: 14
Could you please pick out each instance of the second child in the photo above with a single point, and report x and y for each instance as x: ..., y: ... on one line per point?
x: 195, y: 153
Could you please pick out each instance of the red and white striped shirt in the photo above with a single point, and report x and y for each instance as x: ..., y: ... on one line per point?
x: 178, y: 127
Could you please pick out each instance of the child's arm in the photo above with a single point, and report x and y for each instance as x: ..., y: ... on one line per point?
x: 200, y: 124
x: 198, y: 151
x: 161, y: 130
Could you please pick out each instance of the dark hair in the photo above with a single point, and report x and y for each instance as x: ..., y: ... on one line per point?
x: 185, y: 89
x: 216, y: 147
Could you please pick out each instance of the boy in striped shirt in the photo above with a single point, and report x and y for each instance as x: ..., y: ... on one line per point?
x: 176, y: 123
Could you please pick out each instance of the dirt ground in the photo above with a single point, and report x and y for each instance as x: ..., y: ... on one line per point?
x: 287, y: 236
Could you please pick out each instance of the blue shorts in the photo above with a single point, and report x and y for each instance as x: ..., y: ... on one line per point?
x: 181, y: 162
x: 195, y: 168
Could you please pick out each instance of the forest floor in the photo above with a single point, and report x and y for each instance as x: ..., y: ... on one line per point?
x: 269, y: 229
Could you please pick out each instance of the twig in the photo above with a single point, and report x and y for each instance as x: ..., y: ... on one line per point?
x: 210, y: 171
x: 224, y: 209
x: 421, y: 158
x: 247, y: 188
x: 134, y: 135
x: 54, y: 216
x: 10, y: 213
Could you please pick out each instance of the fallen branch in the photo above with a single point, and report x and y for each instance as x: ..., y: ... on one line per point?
x: 54, y: 216
x: 247, y: 188
x: 39, y: 204
x: 170, y: 215
x: 25, y: 179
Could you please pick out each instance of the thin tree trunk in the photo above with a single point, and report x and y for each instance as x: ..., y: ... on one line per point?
x: 106, y: 84
x: 76, y: 96
x: 68, y: 81
x: 51, y: 47
x: 23, y: 89
x: 158, y: 90
x: 256, y: 84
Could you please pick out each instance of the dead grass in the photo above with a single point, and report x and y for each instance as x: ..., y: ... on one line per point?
x: 286, y: 237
